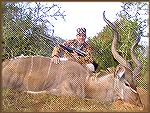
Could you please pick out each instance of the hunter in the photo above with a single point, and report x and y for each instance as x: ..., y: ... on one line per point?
x: 78, y: 43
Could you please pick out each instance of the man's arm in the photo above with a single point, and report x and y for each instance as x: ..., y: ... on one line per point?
x: 56, y: 51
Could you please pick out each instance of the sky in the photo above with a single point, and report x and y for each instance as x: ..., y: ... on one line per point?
x: 85, y: 14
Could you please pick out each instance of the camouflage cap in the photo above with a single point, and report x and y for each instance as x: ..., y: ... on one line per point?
x: 81, y: 31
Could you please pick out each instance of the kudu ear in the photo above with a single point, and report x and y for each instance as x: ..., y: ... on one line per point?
x: 119, y: 73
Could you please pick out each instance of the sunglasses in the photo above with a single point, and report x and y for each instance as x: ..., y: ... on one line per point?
x: 81, y: 30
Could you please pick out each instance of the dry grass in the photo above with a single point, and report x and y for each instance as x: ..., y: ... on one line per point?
x: 144, y: 95
x: 15, y: 101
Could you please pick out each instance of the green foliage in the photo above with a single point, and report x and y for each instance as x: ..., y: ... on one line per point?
x: 129, y: 22
x: 102, y: 49
x: 17, y: 42
x: 136, y: 11
x: 126, y: 29
x: 137, y: 14
x: 22, y: 31
x: 102, y: 44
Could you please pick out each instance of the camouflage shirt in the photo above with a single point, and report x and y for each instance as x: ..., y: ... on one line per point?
x: 74, y: 43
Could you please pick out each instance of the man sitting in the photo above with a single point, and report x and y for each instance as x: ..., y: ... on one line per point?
x: 78, y: 43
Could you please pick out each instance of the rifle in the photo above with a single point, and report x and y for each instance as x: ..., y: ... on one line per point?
x: 71, y: 49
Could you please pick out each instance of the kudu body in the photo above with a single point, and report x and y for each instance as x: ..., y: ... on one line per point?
x: 36, y: 73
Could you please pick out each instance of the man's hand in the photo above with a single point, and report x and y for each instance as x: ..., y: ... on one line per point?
x: 55, y: 59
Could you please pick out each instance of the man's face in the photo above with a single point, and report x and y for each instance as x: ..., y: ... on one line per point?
x: 81, y: 37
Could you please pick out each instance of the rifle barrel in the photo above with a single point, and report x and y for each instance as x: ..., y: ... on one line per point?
x: 70, y: 49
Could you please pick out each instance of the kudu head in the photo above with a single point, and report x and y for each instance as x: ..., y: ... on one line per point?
x: 125, y: 77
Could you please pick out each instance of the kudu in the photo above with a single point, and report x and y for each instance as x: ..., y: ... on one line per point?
x: 118, y: 84
x: 37, y: 73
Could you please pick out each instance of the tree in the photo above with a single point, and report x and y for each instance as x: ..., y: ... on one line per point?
x: 102, y: 43
x: 129, y: 29
x: 136, y: 11
x: 25, y: 24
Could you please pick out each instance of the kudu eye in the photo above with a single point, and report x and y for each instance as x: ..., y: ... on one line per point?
x: 127, y: 84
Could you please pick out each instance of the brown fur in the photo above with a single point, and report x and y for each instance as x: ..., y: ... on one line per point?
x: 106, y: 87
x: 37, y: 73
x: 144, y: 95
x: 120, y: 105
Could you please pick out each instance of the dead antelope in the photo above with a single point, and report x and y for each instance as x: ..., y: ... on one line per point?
x: 37, y: 73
